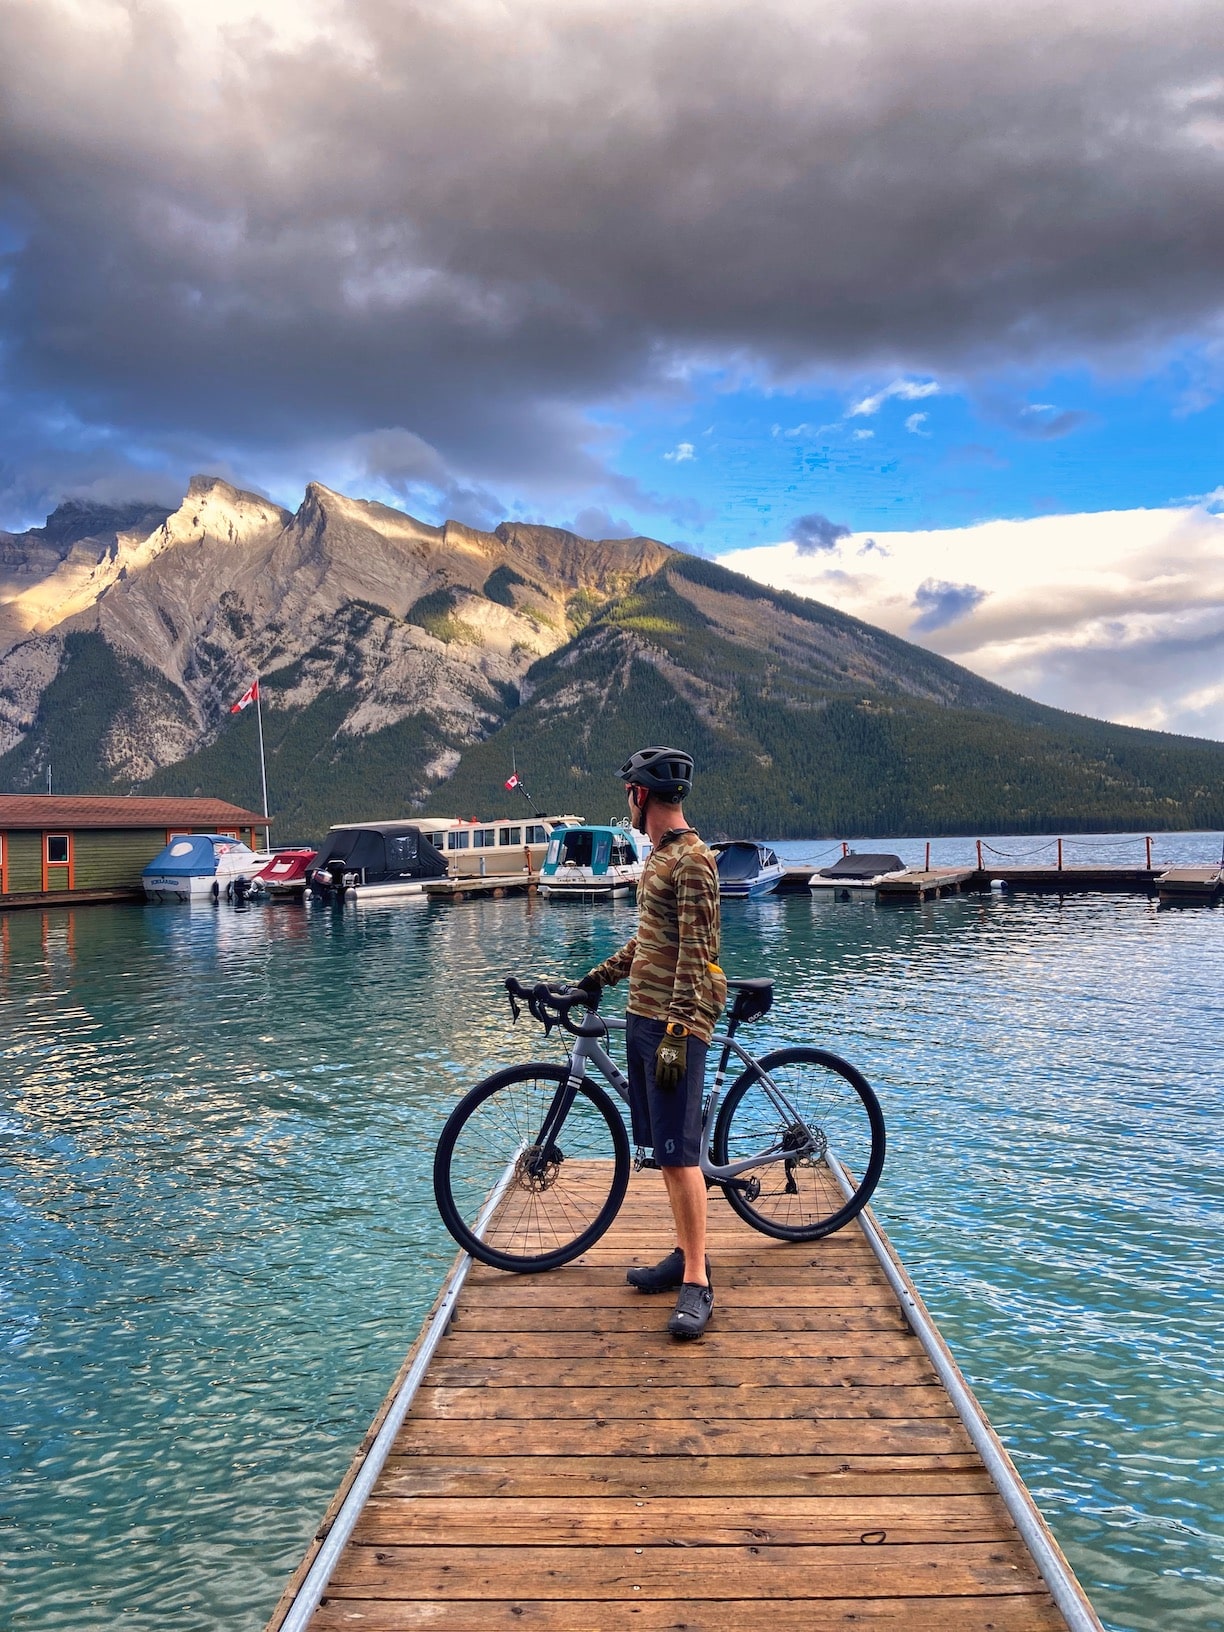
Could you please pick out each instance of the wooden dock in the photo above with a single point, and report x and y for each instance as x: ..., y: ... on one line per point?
x: 463, y: 888
x: 921, y: 884
x: 565, y: 1466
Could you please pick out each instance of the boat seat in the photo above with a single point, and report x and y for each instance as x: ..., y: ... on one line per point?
x: 753, y: 998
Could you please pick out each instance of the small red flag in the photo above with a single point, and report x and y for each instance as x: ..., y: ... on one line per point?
x: 250, y: 695
x: 513, y: 782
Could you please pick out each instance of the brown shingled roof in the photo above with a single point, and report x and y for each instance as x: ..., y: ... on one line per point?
x: 49, y: 810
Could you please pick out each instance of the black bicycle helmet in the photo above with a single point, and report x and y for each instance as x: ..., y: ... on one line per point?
x: 665, y: 771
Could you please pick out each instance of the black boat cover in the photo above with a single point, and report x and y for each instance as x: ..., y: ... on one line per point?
x: 382, y: 850
x: 862, y: 866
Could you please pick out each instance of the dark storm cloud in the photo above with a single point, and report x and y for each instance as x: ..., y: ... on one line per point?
x: 813, y: 533
x: 466, y: 224
x: 940, y: 603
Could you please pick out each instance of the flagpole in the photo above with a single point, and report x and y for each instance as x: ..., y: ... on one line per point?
x: 263, y: 772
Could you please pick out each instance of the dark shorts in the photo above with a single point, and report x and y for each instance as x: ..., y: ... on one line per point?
x: 667, y: 1122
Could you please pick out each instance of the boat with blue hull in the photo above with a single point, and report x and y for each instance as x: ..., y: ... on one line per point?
x: 590, y: 863
x: 747, y: 869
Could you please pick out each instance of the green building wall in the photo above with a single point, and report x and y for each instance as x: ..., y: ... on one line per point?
x: 23, y: 854
x: 103, y: 859
x: 108, y: 859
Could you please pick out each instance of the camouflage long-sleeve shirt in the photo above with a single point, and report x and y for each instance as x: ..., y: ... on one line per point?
x: 672, y: 961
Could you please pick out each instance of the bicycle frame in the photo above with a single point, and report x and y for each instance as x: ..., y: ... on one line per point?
x: 590, y: 1051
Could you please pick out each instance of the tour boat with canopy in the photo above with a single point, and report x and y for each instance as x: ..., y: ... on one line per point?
x: 593, y: 863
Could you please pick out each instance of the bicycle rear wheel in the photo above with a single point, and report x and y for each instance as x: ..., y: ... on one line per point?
x: 554, y: 1203
x: 835, y: 1114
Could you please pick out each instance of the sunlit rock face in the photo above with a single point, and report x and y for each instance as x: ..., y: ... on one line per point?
x: 343, y: 599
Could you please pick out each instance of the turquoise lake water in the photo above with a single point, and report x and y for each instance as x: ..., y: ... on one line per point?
x: 219, y: 1236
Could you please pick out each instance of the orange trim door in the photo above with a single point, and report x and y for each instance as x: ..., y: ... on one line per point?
x: 58, y: 864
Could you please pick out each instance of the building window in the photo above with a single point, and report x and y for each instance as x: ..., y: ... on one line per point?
x: 484, y: 838
x: 57, y: 849
x: 536, y: 835
x: 510, y: 835
x: 457, y: 840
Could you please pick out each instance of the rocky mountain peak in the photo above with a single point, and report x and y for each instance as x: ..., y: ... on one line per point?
x: 213, y: 508
x: 77, y: 519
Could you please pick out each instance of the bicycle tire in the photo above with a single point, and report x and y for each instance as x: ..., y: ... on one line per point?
x: 802, y: 1201
x: 544, y: 1221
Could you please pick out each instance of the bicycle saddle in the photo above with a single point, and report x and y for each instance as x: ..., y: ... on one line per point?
x: 753, y: 998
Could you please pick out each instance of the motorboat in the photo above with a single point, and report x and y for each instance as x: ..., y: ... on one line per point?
x: 285, y: 876
x: 857, y: 874
x: 746, y: 869
x: 367, y: 861
x: 203, y: 867
x: 593, y: 863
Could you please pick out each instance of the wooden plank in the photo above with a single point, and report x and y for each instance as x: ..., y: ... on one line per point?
x: 773, y: 1475
x: 441, y: 1436
x: 650, y: 1315
x: 945, y: 1614
x: 803, y: 1349
x: 765, y: 1572
x: 704, y: 1370
x: 647, y: 1404
x: 539, y: 1293
x: 700, y: 1520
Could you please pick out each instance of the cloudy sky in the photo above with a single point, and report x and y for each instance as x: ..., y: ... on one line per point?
x: 915, y: 308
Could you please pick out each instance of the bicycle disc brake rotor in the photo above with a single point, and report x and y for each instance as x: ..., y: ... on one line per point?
x: 536, y: 1170
x: 810, y: 1145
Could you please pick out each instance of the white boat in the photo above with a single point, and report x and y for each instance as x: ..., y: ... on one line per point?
x: 857, y: 874
x: 202, y: 867
x: 746, y: 869
x: 593, y: 863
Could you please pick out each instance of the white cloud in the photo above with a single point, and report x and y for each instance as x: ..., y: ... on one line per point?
x: 862, y: 436
x: 915, y: 422
x: 681, y: 454
x: 1117, y: 614
x: 905, y: 390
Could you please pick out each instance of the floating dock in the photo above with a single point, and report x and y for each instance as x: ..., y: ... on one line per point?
x: 549, y: 1458
x: 462, y: 889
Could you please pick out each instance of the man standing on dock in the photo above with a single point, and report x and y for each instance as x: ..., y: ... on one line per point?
x: 676, y: 994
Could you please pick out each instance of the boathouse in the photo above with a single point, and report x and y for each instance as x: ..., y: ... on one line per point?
x: 92, y: 847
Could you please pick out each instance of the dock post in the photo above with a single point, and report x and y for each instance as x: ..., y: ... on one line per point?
x: 926, y: 866
x: 1148, y: 842
x: 979, y: 851
x: 1060, y: 855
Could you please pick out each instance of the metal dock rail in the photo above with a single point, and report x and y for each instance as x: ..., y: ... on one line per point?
x: 549, y: 1458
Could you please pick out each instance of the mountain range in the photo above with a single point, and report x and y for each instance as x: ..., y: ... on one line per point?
x: 407, y: 667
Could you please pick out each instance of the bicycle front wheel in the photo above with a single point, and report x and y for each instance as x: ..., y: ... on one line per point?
x: 554, y: 1202
x: 821, y: 1109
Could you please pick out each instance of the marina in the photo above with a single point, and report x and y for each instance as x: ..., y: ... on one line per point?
x: 223, y: 1239
x: 546, y: 1457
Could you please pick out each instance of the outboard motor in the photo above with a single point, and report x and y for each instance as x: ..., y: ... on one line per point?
x: 240, y: 891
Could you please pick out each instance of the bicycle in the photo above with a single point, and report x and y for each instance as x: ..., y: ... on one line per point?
x: 533, y: 1163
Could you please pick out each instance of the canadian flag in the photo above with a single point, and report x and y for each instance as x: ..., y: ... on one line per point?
x: 249, y: 696
x: 514, y: 781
